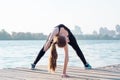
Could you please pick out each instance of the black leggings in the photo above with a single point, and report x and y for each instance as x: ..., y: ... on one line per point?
x: 74, y: 45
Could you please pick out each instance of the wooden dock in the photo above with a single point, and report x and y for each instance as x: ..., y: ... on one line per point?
x: 75, y: 73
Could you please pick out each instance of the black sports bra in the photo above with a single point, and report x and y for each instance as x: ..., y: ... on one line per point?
x: 63, y: 26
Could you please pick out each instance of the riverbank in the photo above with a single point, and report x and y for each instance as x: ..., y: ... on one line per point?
x: 111, y: 72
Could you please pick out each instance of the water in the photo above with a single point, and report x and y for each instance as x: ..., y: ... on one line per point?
x: 22, y: 53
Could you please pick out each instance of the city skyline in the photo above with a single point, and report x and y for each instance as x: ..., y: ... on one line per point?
x: 77, y: 30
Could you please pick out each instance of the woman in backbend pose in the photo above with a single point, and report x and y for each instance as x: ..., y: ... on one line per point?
x: 61, y: 36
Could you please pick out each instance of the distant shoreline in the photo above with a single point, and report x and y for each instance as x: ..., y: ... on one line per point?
x: 4, y: 35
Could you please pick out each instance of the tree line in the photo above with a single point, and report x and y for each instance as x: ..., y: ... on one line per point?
x: 4, y: 35
x: 104, y: 34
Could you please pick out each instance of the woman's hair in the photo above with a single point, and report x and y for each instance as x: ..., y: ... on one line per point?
x: 61, y: 42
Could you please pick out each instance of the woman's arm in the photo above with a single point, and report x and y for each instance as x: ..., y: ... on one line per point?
x: 50, y: 38
x: 65, y: 59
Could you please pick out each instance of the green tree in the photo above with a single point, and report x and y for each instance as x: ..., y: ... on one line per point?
x: 4, y: 35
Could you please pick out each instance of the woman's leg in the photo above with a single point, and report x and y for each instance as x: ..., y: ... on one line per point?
x: 75, y: 46
x: 41, y: 53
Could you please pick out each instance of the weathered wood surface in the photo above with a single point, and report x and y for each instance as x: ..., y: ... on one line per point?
x: 75, y: 73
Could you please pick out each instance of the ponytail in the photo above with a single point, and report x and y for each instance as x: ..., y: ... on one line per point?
x: 53, y: 58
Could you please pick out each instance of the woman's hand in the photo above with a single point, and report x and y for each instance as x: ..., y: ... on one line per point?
x: 64, y: 76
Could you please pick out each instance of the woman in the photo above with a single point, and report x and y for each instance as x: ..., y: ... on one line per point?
x: 61, y: 42
x: 62, y: 30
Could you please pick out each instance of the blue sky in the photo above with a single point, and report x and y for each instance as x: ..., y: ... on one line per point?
x: 42, y: 15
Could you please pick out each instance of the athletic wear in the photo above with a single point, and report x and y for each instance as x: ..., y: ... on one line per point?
x: 41, y: 53
x: 32, y: 66
x: 88, y: 66
x: 72, y: 43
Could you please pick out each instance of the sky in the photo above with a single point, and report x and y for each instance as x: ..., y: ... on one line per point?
x: 41, y: 16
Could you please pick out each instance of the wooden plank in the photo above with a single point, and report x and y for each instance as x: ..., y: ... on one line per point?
x: 80, y: 72
x: 75, y: 73
x: 96, y: 72
x: 25, y: 75
x: 55, y: 74
x: 42, y: 74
